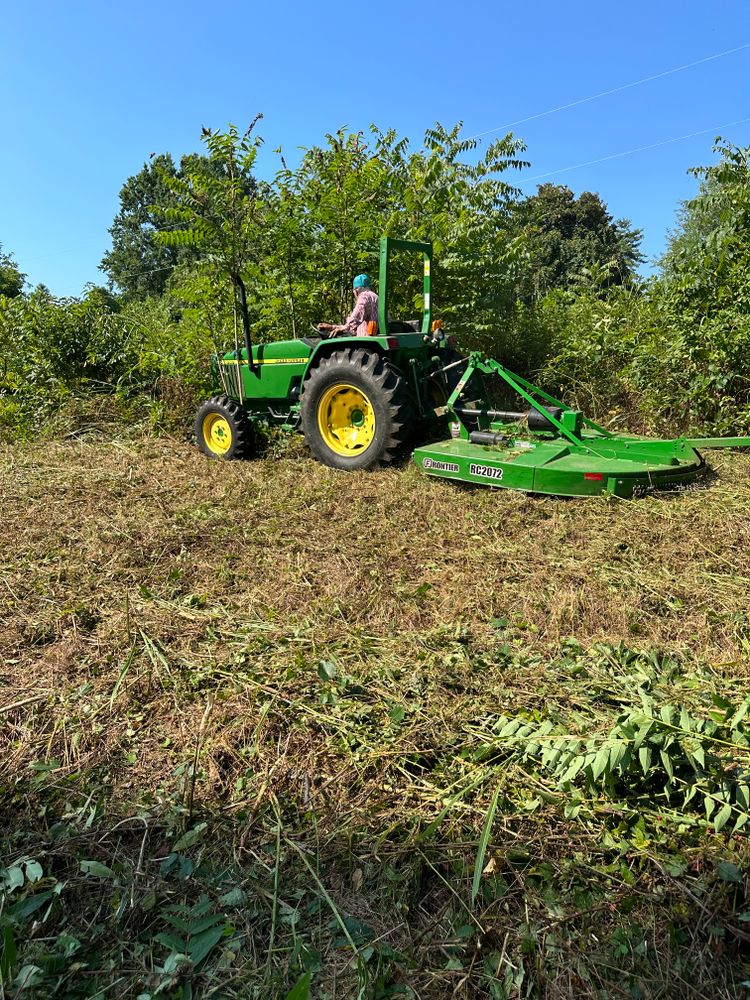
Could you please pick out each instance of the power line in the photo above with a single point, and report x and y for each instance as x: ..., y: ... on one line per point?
x: 526, y: 180
x: 614, y: 90
x: 636, y: 149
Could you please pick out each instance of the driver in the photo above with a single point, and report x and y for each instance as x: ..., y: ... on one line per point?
x: 362, y: 321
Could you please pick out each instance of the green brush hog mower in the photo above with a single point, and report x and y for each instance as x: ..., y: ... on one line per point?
x: 361, y: 402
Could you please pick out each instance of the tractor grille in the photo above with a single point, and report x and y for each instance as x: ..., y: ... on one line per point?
x: 230, y: 379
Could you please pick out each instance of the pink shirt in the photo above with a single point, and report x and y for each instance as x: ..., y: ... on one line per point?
x: 365, y: 311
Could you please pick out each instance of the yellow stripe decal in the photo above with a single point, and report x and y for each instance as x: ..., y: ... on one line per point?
x: 269, y: 361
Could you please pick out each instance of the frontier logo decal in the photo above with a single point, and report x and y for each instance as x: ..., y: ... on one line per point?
x: 430, y: 463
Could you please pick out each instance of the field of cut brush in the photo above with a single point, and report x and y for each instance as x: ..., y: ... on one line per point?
x: 272, y: 731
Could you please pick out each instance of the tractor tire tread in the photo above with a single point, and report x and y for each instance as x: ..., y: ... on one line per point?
x: 242, y: 429
x: 379, y: 379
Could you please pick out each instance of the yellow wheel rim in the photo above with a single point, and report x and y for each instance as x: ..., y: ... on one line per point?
x: 217, y: 433
x: 346, y: 420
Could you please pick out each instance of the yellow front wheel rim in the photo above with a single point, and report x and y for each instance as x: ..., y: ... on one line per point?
x: 346, y: 420
x: 217, y: 433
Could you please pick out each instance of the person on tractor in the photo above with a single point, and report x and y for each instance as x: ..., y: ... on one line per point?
x: 362, y: 321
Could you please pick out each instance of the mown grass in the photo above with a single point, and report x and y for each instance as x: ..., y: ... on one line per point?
x: 250, y: 718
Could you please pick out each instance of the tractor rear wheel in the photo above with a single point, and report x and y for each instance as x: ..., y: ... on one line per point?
x: 356, y: 410
x: 222, y: 430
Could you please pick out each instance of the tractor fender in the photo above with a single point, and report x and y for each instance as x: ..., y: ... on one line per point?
x: 326, y: 348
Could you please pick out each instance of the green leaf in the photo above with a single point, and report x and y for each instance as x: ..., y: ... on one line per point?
x: 301, y: 989
x: 722, y: 816
x: 741, y: 820
x: 575, y: 766
x: 170, y: 941
x: 327, y: 670
x: 666, y: 761
x: 12, y: 878
x: 740, y: 714
x: 233, y: 897
x: 600, y: 762
x: 728, y: 872
x: 8, y: 955
x: 685, y: 720
x: 509, y: 729
x: 28, y: 976
x: 96, y: 868
x: 34, y: 870
x: 205, y: 922
x: 483, y: 842
x: 190, y: 838
x: 25, y: 907
x: 396, y: 714
x: 202, y: 944
x: 643, y: 732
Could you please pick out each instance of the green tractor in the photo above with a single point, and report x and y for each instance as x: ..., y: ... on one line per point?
x: 359, y: 401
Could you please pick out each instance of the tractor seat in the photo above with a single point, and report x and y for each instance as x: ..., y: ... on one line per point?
x: 403, y: 326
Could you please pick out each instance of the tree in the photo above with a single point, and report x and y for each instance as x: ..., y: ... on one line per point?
x: 217, y: 211
x: 11, y: 279
x: 328, y: 214
x: 703, y: 298
x: 139, y: 264
x: 574, y: 243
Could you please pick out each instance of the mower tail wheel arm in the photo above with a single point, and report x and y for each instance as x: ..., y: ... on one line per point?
x: 735, y: 442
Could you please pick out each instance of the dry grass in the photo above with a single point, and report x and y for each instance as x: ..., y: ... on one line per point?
x: 307, y: 658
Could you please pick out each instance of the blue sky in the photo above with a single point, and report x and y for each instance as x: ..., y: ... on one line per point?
x: 90, y: 90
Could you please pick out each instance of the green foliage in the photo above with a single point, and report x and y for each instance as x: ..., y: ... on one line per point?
x: 137, y: 263
x: 546, y: 284
x: 327, y: 215
x: 219, y: 211
x: 687, y: 763
x: 57, y: 351
x: 675, y: 354
x: 574, y: 243
x: 54, y: 348
x: 11, y: 279
x: 589, y: 346
x: 703, y: 300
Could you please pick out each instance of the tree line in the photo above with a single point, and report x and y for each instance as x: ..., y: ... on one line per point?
x: 547, y: 282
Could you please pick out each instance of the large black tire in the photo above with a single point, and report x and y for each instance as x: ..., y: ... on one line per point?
x: 222, y: 429
x: 377, y: 429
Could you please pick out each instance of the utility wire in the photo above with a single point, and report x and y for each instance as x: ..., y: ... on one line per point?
x: 628, y: 152
x: 614, y: 90
x: 528, y: 180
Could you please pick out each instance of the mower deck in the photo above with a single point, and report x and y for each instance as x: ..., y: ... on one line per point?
x: 616, y: 466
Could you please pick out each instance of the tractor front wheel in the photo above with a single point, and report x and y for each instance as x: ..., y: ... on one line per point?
x: 222, y: 430
x: 356, y: 410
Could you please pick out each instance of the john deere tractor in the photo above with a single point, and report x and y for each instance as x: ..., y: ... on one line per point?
x: 357, y: 400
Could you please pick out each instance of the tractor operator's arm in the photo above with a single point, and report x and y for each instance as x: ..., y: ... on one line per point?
x: 362, y: 320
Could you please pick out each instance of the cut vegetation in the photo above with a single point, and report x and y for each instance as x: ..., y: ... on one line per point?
x: 269, y: 729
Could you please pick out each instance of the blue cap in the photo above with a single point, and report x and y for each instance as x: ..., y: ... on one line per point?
x: 362, y: 281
